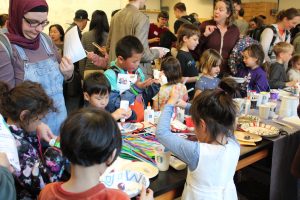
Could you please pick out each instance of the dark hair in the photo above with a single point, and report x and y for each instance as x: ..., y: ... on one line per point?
x: 25, y: 96
x: 231, y: 87
x: 3, y: 19
x: 230, y: 11
x: 293, y: 60
x: 163, y: 14
x: 89, y: 136
x: 256, y: 51
x: 289, y: 14
x: 172, y: 70
x: 114, y: 12
x: 258, y: 21
x: 96, y: 83
x: 241, y: 12
x: 99, y: 23
x: 41, y: 8
x: 187, y: 30
x: 217, y: 109
x: 127, y: 46
x: 180, y: 6
x: 60, y: 30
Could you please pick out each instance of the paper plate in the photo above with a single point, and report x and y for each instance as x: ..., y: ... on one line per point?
x: 248, y: 119
x: 238, y: 79
x: 129, y: 127
x: 247, y: 137
x: 147, y: 169
x: 261, y: 129
x: 163, y: 48
x: 129, y: 182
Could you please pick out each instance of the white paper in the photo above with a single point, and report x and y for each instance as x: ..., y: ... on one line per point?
x: 123, y: 82
x: 8, y: 145
x: 73, y: 48
x: 124, y: 104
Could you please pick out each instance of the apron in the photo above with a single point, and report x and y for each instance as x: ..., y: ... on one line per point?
x: 46, y: 72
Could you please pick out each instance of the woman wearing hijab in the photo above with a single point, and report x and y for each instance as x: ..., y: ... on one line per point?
x: 34, y: 57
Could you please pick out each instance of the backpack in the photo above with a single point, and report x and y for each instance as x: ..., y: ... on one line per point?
x: 5, y: 43
x: 257, y: 36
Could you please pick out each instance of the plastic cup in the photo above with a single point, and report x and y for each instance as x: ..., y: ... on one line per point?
x: 264, y: 111
x: 274, y: 95
x: 162, y: 158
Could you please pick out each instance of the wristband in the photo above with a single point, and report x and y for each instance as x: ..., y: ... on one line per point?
x: 134, y: 91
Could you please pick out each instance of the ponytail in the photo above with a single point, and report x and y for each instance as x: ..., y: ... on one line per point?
x: 230, y: 86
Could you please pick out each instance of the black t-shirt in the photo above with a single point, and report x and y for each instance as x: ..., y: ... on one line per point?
x: 182, y: 20
x: 188, y: 68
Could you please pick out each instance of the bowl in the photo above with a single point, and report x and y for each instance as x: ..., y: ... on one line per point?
x: 128, y: 181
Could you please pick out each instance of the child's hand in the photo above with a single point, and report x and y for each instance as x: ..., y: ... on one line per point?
x: 121, y: 114
x: 144, y: 84
x: 66, y: 67
x: 146, y: 194
x: 45, y: 132
x: 181, y: 104
x: 291, y: 83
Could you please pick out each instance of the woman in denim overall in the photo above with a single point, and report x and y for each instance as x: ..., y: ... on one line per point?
x: 35, y: 58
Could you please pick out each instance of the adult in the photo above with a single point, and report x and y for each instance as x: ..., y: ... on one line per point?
x: 131, y: 21
x: 296, y: 43
x: 98, y: 33
x: 256, y: 27
x: 241, y: 23
x: 3, y: 23
x: 219, y: 33
x: 181, y: 16
x: 80, y: 20
x: 156, y: 29
x: 279, y: 32
x: 34, y: 57
x: 57, y: 34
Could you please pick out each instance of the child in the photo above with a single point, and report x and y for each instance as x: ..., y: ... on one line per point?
x: 210, y: 62
x: 91, y: 146
x: 24, y: 106
x: 278, y: 77
x: 171, y: 69
x: 188, y: 39
x: 126, y: 78
x: 294, y: 71
x: 253, y: 73
x: 96, y: 89
x: 211, y: 160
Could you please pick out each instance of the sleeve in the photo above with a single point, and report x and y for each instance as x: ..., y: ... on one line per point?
x: 141, y: 32
x: 292, y: 75
x: 177, y: 25
x: 265, y: 41
x: 187, y: 151
x: 274, y: 79
x: 7, y: 74
x: 199, y: 85
x: 233, y: 57
x: 7, y: 184
x: 183, y: 64
x: 262, y: 82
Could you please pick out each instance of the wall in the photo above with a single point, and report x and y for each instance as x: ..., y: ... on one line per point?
x: 284, y: 4
x: 63, y: 13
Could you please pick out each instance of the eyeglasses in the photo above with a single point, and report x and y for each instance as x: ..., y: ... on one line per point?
x: 35, y: 23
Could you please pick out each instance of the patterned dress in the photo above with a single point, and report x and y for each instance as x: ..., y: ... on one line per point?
x: 37, y: 168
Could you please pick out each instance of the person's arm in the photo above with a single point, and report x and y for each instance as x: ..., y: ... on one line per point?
x: 262, y: 82
x: 177, y: 24
x: 7, y: 184
x: 141, y: 32
x: 274, y: 78
x: 187, y: 151
x: 265, y: 41
x: 6, y: 68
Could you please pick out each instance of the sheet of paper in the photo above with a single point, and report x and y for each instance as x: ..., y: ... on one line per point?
x: 123, y: 82
x: 73, y: 48
x: 8, y: 145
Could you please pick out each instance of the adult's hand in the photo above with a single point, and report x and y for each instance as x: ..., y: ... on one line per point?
x: 45, y: 132
x: 5, y: 163
x: 153, y: 40
x: 209, y: 29
x: 66, y: 67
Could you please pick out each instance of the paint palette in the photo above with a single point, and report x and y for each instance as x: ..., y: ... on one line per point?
x: 129, y: 182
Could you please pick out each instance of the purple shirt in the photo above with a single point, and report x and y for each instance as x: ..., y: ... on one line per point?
x: 258, y: 78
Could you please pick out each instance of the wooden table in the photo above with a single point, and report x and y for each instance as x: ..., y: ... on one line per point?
x: 169, y: 185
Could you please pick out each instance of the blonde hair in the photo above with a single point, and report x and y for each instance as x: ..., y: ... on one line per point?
x: 209, y: 59
x: 282, y: 47
x: 187, y: 30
